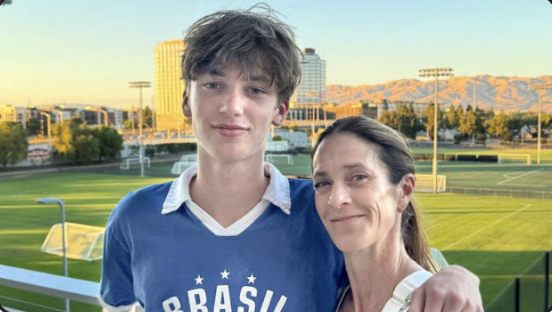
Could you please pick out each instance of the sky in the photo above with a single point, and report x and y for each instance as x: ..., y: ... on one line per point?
x: 67, y: 51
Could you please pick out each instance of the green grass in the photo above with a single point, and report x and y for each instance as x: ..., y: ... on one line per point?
x: 496, y: 238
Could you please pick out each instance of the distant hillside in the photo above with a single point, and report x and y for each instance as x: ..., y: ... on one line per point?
x: 507, y: 93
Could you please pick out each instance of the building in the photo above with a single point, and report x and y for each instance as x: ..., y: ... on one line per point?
x: 366, y: 108
x: 13, y: 113
x: 295, y: 139
x: 169, y: 85
x: 303, y: 112
x: 312, y: 88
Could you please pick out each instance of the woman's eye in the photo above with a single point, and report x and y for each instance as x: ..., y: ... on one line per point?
x: 359, y: 177
x: 318, y: 185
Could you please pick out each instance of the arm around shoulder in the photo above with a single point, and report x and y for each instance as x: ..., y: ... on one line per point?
x: 452, y: 289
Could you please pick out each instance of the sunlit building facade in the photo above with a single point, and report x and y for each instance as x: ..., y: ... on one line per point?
x: 12, y: 113
x: 169, y: 86
x: 312, y: 88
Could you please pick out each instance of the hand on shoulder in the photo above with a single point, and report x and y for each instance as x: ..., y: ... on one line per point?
x: 452, y: 289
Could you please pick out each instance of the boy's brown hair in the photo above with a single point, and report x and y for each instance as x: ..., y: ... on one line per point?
x: 250, y: 39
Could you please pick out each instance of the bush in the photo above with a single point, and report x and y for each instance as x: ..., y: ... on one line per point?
x: 176, y: 148
x: 150, y: 151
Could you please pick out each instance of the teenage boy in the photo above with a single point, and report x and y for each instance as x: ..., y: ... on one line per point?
x: 232, y: 233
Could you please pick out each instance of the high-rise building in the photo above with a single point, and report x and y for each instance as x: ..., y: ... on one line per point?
x: 312, y: 88
x: 169, y: 85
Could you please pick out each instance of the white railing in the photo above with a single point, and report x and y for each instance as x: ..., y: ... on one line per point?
x: 51, y: 285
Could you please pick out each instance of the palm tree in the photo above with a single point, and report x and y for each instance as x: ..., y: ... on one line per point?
x: 4, y: 2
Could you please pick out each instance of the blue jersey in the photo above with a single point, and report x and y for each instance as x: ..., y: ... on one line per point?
x: 282, y: 262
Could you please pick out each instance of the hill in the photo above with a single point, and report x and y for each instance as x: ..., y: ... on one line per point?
x: 500, y: 93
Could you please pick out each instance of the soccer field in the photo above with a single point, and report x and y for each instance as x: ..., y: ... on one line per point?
x: 496, y: 238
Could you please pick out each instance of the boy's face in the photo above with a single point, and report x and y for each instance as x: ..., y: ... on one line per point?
x: 232, y: 112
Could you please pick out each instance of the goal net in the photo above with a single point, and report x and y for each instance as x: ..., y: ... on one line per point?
x: 135, y: 161
x: 424, y: 183
x: 186, y: 161
x: 514, y: 159
x: 82, y: 242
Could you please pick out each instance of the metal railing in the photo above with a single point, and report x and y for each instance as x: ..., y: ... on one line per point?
x: 52, y: 285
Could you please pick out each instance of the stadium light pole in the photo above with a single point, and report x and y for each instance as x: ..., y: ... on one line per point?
x: 140, y: 85
x: 57, y: 201
x: 435, y: 72
x: 539, y: 88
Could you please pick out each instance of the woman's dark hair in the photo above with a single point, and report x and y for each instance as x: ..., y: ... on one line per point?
x: 396, y: 155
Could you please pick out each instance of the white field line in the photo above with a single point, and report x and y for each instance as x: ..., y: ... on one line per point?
x: 517, y: 177
x: 488, y: 226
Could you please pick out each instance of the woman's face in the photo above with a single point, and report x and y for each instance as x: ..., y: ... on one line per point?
x: 354, y: 197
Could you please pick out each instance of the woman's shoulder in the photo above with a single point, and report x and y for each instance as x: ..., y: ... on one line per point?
x: 402, y: 293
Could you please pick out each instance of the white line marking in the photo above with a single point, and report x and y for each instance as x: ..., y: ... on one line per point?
x: 517, y: 177
x: 488, y: 226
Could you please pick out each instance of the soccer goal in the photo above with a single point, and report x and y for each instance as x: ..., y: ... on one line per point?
x: 82, y: 242
x: 129, y: 162
x: 272, y: 157
x: 186, y: 161
x: 424, y: 183
x: 514, y: 159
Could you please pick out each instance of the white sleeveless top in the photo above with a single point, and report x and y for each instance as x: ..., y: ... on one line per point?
x: 400, y: 301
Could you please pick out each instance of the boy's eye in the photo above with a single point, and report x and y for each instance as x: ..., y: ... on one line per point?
x: 211, y: 85
x: 256, y: 91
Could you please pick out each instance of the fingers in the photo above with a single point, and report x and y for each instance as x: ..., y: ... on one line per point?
x: 418, y: 300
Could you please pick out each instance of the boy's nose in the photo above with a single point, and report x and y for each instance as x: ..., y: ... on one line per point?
x: 233, y: 103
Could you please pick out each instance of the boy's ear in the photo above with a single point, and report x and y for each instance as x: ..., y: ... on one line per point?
x: 281, y: 114
x: 186, y: 109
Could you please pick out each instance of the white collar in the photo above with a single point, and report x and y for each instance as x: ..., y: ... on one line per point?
x: 277, y: 192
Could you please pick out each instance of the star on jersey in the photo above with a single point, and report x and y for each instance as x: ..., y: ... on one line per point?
x: 224, y: 274
x: 199, y: 280
x: 251, y: 279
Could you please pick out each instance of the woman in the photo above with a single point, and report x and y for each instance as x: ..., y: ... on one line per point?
x: 364, y: 179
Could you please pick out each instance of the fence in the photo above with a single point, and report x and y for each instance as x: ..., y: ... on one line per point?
x: 529, y: 292
x: 500, y: 192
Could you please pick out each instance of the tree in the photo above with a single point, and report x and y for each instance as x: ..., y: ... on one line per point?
x: 452, y: 118
x: 87, y: 147
x: 467, y: 123
x: 13, y: 143
x: 408, y: 123
x: 390, y: 119
x: 110, y: 142
x: 147, y: 117
x: 5, y: 2
x: 498, y: 126
x: 428, y: 118
x: 128, y: 124
x: 76, y: 142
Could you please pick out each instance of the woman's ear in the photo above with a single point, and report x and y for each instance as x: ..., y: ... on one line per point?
x: 407, y: 184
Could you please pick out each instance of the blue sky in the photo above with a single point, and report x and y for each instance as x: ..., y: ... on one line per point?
x: 87, y: 51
